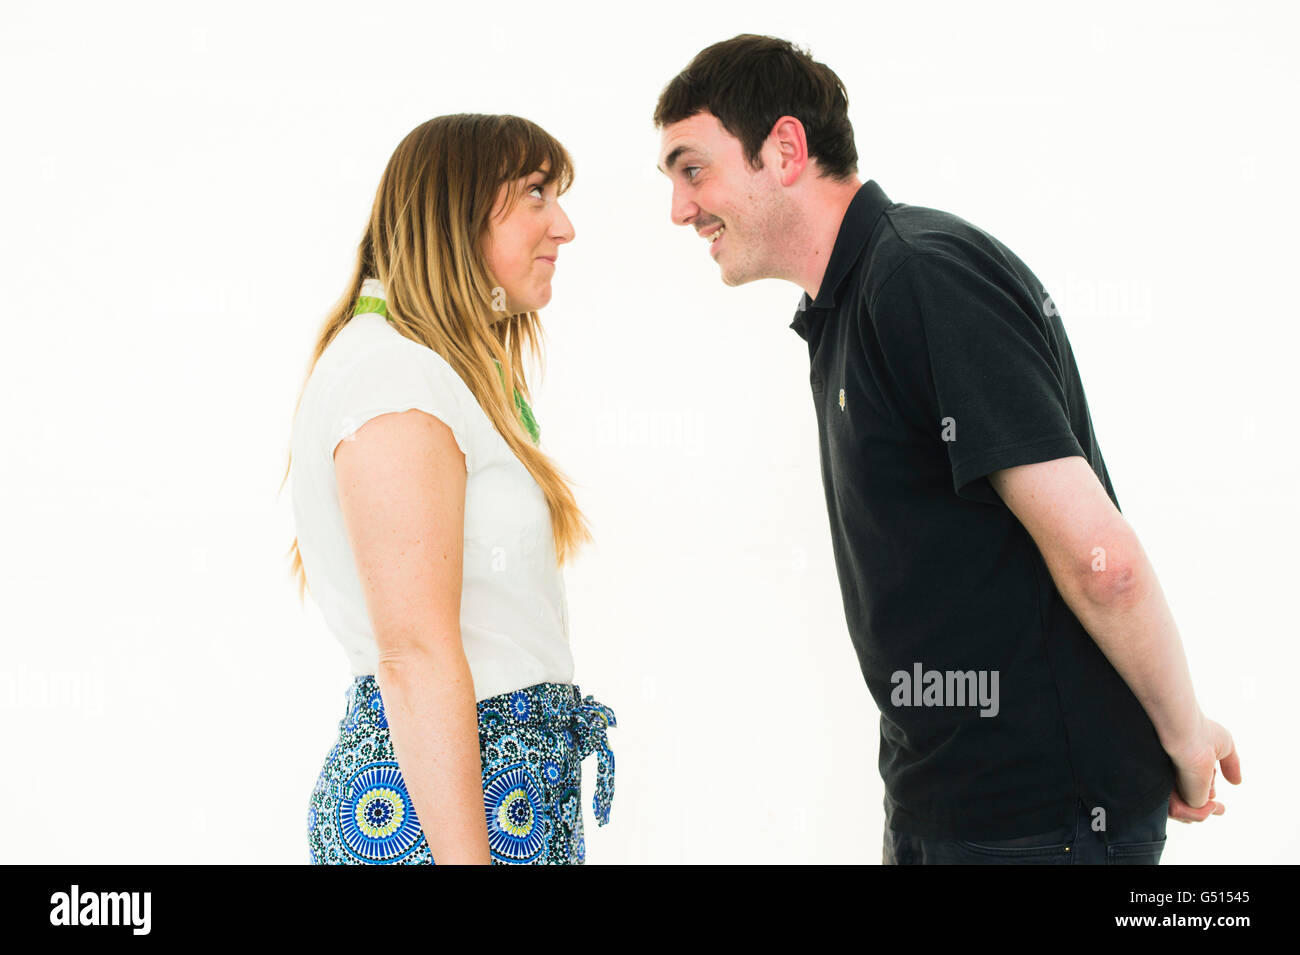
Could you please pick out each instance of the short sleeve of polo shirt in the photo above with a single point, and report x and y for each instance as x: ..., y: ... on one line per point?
x: 398, y: 375
x: 972, y: 364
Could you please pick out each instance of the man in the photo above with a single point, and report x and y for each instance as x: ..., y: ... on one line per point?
x: 1036, y: 705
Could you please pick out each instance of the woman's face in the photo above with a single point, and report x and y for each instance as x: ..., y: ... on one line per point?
x: 521, y: 248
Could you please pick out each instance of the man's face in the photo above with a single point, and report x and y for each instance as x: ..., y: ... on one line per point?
x: 518, y: 245
x: 720, y: 195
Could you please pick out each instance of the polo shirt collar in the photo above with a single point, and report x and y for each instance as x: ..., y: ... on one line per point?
x: 855, y: 229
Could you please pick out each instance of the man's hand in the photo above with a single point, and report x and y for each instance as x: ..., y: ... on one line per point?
x: 1197, y: 764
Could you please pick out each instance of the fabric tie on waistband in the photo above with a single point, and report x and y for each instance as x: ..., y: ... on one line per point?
x: 590, y: 720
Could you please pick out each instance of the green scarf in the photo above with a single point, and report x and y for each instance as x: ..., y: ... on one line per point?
x: 525, y: 412
x: 367, y: 304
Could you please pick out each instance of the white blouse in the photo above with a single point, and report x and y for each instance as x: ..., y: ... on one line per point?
x: 513, y: 610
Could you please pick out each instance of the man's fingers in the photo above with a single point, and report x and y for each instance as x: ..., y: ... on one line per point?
x: 1179, y: 810
x: 1231, y: 767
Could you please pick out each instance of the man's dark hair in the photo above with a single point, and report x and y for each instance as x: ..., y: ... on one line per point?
x: 749, y: 82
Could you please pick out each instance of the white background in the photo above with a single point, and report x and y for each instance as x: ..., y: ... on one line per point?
x: 183, y: 191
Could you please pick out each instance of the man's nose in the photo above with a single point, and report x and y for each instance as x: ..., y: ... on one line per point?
x: 683, y: 210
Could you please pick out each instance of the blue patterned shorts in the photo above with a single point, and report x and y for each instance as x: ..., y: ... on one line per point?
x: 532, y: 742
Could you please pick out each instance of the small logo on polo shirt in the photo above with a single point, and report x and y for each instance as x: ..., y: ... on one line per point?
x: 841, y: 399
x: 1049, y: 307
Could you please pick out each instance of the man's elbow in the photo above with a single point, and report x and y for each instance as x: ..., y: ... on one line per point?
x: 1113, y: 576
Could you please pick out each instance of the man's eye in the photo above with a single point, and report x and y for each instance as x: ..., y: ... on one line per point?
x: 687, y: 170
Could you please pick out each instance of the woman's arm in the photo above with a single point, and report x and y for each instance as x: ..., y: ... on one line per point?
x: 401, y: 483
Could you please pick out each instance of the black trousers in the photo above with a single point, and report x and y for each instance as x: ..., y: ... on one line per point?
x: 1136, y: 840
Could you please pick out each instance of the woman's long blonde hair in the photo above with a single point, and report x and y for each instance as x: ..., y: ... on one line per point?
x: 424, y: 243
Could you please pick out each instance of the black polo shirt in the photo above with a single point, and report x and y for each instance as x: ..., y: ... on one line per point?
x: 937, y: 358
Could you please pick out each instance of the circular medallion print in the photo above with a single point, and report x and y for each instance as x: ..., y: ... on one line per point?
x: 376, y: 818
x: 513, y: 804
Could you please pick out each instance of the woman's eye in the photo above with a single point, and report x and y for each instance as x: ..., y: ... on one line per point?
x: 539, y: 186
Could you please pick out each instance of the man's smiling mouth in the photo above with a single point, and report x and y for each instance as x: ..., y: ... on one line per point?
x: 714, y: 237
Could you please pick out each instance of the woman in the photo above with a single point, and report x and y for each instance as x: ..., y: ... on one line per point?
x: 432, y: 527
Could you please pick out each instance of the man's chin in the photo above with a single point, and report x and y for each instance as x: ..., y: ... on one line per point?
x: 732, y: 280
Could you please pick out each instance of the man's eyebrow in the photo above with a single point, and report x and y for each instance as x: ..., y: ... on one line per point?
x: 673, y: 157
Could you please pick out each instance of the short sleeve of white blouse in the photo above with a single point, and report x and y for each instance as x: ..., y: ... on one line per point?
x: 393, y: 375
x: 514, y: 615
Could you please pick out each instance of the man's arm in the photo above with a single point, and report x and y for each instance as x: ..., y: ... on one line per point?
x: 1104, y: 575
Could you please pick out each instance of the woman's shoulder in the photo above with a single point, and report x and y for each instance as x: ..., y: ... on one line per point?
x: 370, y: 368
x: 369, y: 346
